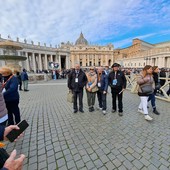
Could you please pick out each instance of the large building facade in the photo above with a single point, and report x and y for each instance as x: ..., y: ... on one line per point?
x: 142, y: 53
x: 138, y: 55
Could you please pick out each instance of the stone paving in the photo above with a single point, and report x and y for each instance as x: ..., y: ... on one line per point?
x: 59, y: 139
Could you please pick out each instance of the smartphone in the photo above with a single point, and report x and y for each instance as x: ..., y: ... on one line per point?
x: 15, y: 133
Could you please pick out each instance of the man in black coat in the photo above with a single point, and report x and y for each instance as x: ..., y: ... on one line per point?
x: 117, y: 82
x: 76, y: 81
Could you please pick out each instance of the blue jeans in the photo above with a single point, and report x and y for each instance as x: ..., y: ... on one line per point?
x: 152, y: 98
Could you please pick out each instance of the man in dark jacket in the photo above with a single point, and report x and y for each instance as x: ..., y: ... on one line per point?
x: 24, y: 78
x: 76, y: 82
x: 102, y: 83
x: 117, y: 82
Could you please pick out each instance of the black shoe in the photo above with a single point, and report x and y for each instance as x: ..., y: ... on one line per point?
x: 156, y: 112
x: 20, y: 89
x: 120, y: 113
x: 113, y: 111
x: 75, y: 111
x: 92, y: 109
x: 26, y: 90
x: 81, y: 110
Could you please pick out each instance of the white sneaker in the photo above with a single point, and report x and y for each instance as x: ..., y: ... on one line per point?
x: 147, y: 117
x: 140, y: 111
x: 104, y: 112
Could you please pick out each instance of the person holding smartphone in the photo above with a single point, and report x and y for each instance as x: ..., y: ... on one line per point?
x: 11, y: 163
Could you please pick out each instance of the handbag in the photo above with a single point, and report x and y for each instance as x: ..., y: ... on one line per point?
x: 70, y: 97
x: 94, y: 89
x: 147, y: 89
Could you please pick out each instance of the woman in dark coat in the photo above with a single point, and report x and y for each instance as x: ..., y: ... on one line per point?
x: 11, y: 95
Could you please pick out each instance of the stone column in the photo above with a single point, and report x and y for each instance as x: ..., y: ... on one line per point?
x: 59, y: 57
x: 27, y: 62
x: 51, y: 58
x: 67, y: 62
x: 34, y: 64
x: 40, y: 62
x: 45, y: 62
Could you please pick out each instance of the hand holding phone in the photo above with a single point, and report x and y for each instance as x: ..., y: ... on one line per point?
x: 13, y: 134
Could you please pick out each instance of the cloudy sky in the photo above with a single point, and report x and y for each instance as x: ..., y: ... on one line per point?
x: 101, y: 21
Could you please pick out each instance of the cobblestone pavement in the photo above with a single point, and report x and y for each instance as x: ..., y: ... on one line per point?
x: 59, y: 139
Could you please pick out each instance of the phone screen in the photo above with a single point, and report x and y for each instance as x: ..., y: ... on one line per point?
x: 15, y: 133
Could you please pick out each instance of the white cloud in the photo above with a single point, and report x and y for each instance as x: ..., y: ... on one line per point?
x: 54, y: 21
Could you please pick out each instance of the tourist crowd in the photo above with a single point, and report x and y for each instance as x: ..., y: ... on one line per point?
x: 97, y: 80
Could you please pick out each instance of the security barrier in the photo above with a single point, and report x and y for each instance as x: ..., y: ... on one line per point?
x: 133, y: 86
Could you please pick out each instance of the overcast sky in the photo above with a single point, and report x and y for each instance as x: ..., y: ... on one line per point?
x: 101, y: 21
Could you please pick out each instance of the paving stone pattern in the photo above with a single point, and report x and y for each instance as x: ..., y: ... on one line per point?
x: 59, y: 139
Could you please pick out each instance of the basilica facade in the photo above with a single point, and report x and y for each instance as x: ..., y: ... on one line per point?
x: 139, y: 54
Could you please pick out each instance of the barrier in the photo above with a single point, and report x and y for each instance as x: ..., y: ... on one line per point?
x: 33, y: 78
x: 133, y: 86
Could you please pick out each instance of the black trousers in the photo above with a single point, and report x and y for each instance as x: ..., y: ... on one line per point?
x: 13, y: 112
x: 115, y: 94
x: 78, y: 94
x: 20, y: 85
x: 101, y: 99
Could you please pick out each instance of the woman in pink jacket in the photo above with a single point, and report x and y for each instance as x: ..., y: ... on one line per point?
x: 146, y: 87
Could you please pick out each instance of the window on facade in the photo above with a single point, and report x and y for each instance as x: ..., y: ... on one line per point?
x: 90, y: 63
x: 94, y: 64
x: 80, y: 63
x: 143, y: 64
x: 86, y: 64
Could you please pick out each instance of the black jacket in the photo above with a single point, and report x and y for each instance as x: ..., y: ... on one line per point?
x: 155, y: 77
x: 2, y: 129
x: 82, y: 80
x: 121, y: 80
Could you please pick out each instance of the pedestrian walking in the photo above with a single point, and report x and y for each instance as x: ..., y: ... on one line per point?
x: 24, y: 78
x: 76, y: 81
x: 117, y: 82
x: 102, y: 83
x: 146, y: 87
x: 157, y: 87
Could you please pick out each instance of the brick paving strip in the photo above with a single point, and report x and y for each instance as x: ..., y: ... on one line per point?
x: 59, y: 139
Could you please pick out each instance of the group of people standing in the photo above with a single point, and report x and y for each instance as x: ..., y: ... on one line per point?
x: 96, y: 81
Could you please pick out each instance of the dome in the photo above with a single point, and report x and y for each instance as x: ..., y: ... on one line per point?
x: 81, y: 40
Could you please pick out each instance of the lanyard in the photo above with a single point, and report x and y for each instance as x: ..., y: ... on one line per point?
x: 3, y: 84
x: 115, y: 75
